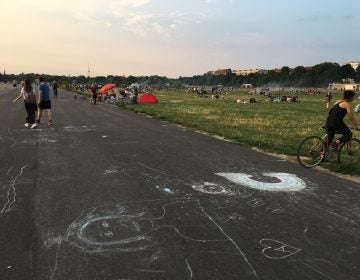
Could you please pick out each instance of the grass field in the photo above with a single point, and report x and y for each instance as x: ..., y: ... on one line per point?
x: 269, y: 126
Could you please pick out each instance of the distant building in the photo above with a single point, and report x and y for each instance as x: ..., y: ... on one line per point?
x: 221, y: 72
x: 348, y: 86
x: 247, y: 86
x: 354, y: 64
x: 245, y: 72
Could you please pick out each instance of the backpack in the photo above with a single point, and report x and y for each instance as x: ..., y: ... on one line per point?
x: 30, y: 97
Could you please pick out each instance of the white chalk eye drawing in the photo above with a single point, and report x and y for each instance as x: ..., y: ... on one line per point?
x: 210, y: 188
x: 287, y: 182
x: 274, y: 249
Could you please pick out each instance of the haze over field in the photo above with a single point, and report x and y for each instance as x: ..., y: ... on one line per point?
x: 174, y: 38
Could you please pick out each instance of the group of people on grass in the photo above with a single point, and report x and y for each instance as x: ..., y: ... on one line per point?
x: 124, y: 96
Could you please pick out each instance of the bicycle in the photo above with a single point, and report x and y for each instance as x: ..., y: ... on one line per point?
x: 314, y: 150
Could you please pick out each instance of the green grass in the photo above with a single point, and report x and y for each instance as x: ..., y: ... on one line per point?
x: 272, y: 127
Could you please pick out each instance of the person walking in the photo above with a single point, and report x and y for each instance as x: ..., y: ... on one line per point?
x: 93, y: 93
x: 44, y: 102
x: 55, y: 89
x: 328, y: 99
x: 28, y: 94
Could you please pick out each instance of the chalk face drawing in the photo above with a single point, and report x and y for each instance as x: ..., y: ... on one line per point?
x: 274, y: 249
x: 109, y: 230
x: 150, y: 237
x: 287, y: 182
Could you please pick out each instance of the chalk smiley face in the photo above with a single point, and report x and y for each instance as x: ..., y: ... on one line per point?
x: 110, y: 230
x: 123, y: 232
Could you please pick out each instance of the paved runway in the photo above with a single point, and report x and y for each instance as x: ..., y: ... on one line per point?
x: 109, y: 194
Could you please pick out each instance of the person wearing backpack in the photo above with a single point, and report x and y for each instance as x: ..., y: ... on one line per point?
x: 28, y: 94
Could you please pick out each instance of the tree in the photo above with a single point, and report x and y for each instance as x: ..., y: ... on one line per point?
x: 347, y: 72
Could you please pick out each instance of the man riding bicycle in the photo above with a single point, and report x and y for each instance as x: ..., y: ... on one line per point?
x: 335, y: 121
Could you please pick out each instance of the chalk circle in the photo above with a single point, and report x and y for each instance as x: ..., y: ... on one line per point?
x: 210, y: 188
x: 286, y: 182
x: 111, y: 229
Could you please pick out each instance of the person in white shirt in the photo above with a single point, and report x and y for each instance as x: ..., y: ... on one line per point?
x: 28, y: 94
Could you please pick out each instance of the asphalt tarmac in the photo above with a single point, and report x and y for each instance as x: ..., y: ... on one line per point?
x: 107, y: 194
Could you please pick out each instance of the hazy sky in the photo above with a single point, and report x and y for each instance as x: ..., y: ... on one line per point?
x: 174, y: 38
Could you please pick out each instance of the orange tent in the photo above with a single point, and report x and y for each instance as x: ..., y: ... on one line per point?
x: 106, y: 87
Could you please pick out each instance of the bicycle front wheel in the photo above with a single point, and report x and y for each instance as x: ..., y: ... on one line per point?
x: 349, y: 153
x: 311, y: 151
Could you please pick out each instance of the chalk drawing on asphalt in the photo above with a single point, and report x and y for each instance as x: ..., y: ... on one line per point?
x: 317, y: 268
x: 286, y: 182
x: 40, y: 140
x: 11, y: 190
x: 211, y: 188
x: 167, y: 190
x: 111, y: 171
x: 148, y: 235
x: 351, y: 215
x: 274, y: 249
x: 82, y: 128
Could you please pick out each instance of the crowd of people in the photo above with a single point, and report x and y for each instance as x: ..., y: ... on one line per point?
x: 38, y: 101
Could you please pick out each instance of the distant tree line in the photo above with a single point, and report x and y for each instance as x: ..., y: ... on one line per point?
x: 319, y: 75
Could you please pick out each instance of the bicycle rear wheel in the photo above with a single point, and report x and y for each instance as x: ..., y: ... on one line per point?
x: 349, y: 153
x: 311, y: 151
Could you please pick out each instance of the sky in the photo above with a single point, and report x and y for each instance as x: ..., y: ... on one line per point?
x: 174, y: 38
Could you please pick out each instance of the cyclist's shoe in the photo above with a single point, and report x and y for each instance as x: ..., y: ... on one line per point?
x: 334, y: 147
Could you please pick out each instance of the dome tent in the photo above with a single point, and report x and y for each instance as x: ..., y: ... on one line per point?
x: 147, y: 98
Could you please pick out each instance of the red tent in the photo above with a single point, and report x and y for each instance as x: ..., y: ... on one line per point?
x: 107, y: 87
x: 147, y: 98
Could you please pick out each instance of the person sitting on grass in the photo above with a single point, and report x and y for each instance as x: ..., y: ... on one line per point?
x: 335, y: 120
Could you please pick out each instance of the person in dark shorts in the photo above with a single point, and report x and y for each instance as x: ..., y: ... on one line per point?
x: 93, y: 93
x: 335, y: 120
x: 44, y: 102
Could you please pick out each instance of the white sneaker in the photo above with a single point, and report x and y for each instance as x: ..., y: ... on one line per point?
x: 34, y: 125
x: 26, y: 124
